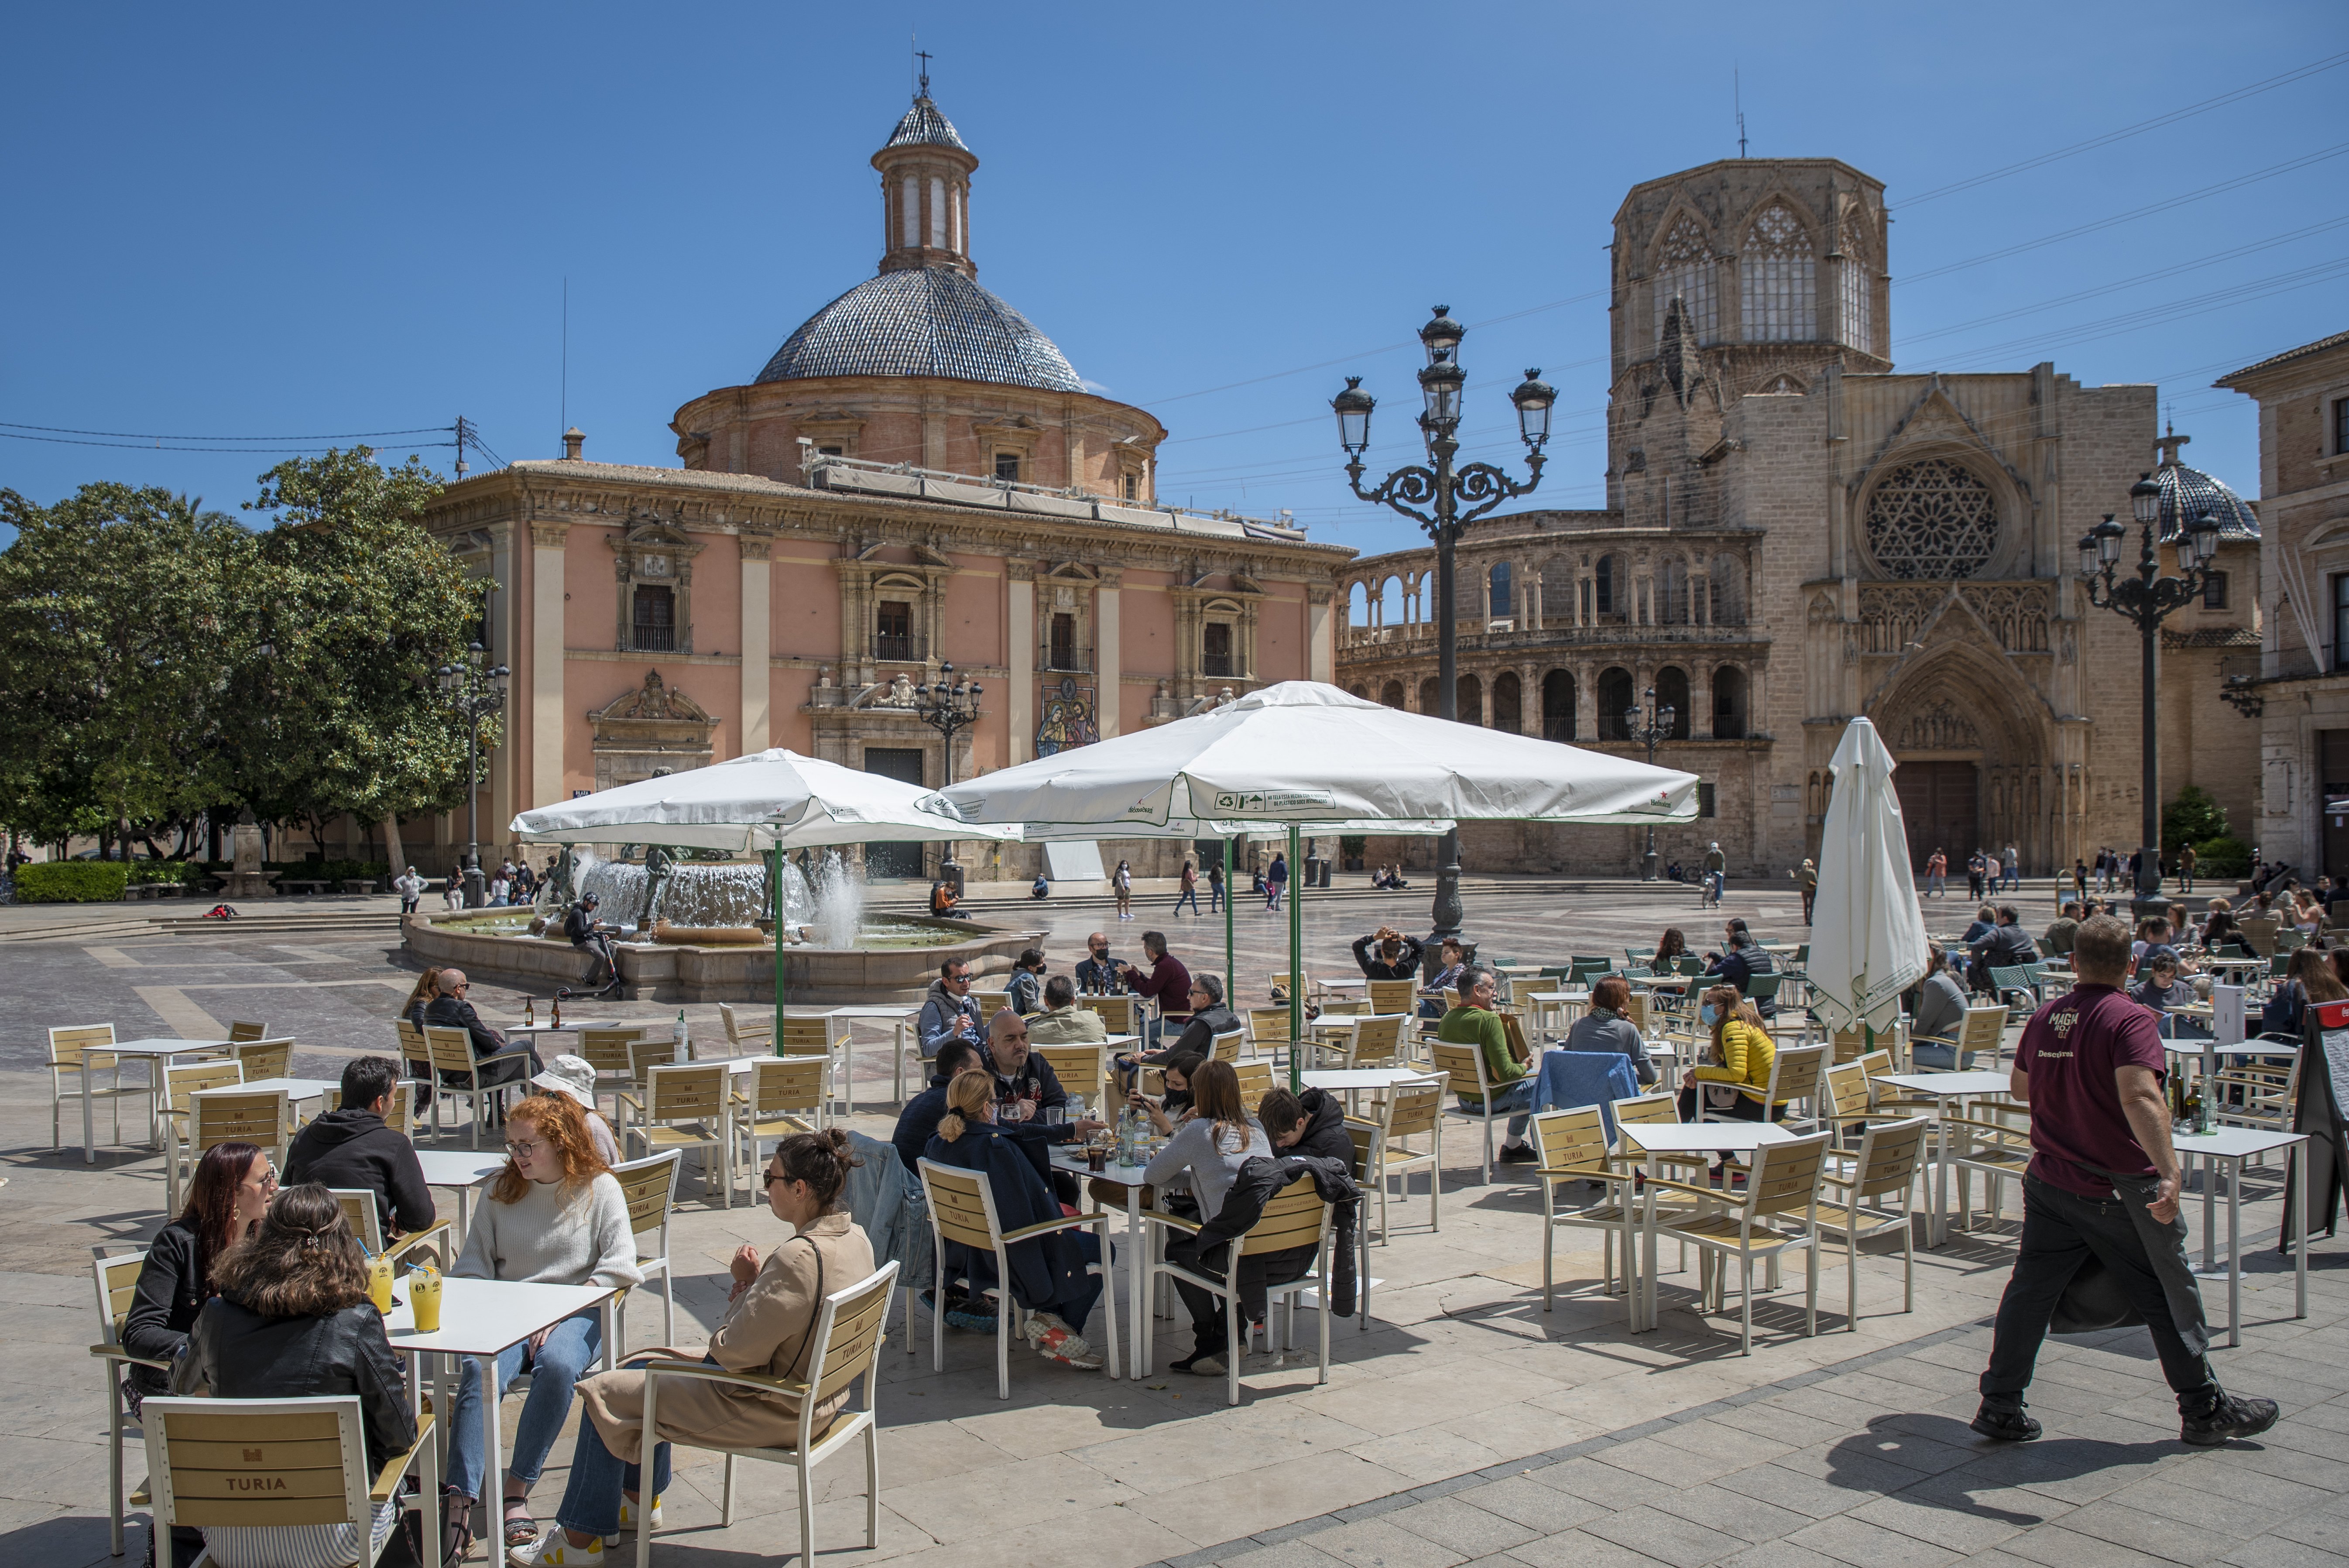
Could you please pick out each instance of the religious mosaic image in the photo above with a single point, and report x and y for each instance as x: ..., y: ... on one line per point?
x: 1066, y: 718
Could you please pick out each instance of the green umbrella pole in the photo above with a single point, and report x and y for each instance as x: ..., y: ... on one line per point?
x: 1296, y: 966
x: 775, y: 900
x: 1231, y: 975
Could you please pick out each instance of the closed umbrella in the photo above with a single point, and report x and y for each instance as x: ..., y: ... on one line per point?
x: 1867, y: 935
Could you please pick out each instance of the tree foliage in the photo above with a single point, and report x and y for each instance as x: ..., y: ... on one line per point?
x: 2192, y: 816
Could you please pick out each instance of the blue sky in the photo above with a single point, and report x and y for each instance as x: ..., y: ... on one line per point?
x: 303, y: 221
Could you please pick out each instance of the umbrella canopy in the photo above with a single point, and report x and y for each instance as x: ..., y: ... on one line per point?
x: 770, y: 800
x: 1867, y: 934
x: 1305, y: 752
x: 1190, y: 827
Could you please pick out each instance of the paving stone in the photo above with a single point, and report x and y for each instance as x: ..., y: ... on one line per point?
x: 2283, y: 1549
x: 1461, y: 1524
x: 1865, y: 1545
x: 1378, y: 1543
x: 1575, y: 1549
x: 1543, y: 1510
x: 1664, y: 1537
x: 1731, y: 1513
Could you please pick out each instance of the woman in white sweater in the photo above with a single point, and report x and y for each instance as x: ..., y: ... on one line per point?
x: 553, y: 1216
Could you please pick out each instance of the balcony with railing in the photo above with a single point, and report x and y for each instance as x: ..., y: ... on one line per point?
x: 895, y: 647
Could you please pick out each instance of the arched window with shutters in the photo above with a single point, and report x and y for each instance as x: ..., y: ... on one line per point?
x: 1499, y: 597
x: 1778, y: 279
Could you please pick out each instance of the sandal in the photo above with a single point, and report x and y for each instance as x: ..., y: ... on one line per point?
x: 521, y: 1529
x: 456, y: 1525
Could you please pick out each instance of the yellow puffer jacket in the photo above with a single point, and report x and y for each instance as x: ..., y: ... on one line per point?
x: 1747, y: 1055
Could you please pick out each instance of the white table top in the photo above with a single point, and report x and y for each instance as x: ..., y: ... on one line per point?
x: 1698, y: 1138
x: 1944, y: 1086
x: 872, y: 1012
x: 2240, y: 1048
x: 457, y: 1167
x: 1352, y: 1020
x: 481, y: 1317
x: 2233, y: 1143
x: 1343, y: 983
x: 165, y: 1047
x: 1360, y: 1078
x: 568, y: 1026
x: 1553, y: 996
x: 292, y: 1088
x: 1066, y: 1159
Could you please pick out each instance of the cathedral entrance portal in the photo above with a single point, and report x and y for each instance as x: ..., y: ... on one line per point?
x: 1941, y: 806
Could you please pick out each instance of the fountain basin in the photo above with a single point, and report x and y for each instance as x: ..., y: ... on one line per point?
x: 897, y: 966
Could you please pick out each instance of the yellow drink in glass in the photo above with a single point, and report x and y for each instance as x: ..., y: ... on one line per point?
x: 424, y: 1296
x: 380, y: 1283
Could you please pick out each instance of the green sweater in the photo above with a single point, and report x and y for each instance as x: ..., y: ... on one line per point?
x: 1474, y: 1026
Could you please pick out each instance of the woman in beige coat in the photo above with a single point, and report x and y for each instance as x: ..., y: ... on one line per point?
x: 768, y: 1330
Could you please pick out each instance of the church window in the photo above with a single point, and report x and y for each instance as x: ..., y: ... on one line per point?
x: 1684, y: 272
x: 1215, y: 648
x: 1063, y: 653
x: 1499, y: 597
x: 1007, y: 467
x: 1858, y: 301
x: 892, y: 629
x: 1614, y: 701
x: 832, y: 450
x: 1931, y: 519
x: 1708, y: 800
x: 1603, y: 602
x: 1778, y: 280
x: 937, y: 214
x: 909, y: 204
x: 1133, y: 487
x: 2214, y: 591
x: 655, y: 619
x: 1391, y: 695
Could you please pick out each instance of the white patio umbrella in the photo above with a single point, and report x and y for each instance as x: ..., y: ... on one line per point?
x: 1301, y: 752
x: 1867, y: 934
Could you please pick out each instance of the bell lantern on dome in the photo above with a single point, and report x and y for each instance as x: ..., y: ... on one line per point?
x: 925, y: 191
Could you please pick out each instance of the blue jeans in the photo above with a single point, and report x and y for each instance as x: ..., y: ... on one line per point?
x: 1191, y: 896
x: 591, y: 1498
x: 1214, y: 901
x: 1518, y: 1096
x: 568, y: 1352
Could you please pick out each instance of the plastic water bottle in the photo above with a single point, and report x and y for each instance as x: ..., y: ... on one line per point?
x: 684, y: 1047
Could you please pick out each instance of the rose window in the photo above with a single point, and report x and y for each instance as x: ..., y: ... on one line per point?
x: 1931, y: 519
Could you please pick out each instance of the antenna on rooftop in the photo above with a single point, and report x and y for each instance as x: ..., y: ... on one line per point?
x: 1737, y: 101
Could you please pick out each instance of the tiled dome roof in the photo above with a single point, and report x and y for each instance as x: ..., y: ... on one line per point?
x: 2187, y: 492
x: 923, y: 125
x: 923, y: 321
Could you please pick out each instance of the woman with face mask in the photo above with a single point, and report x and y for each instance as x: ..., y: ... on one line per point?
x: 1736, y: 1077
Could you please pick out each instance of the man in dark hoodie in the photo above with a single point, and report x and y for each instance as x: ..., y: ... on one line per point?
x: 919, y: 1120
x: 352, y: 1147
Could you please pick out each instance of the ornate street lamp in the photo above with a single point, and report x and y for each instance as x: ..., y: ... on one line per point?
x: 1443, y: 501
x: 472, y: 693
x: 2147, y: 601
x: 948, y: 707
x: 1649, y: 726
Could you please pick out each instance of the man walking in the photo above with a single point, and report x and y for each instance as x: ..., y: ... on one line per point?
x: 2186, y: 863
x: 1806, y: 877
x: 2014, y: 864
x: 2103, y: 1183
x: 411, y: 888
x: 1974, y: 864
x: 1937, y: 875
x: 1716, y: 873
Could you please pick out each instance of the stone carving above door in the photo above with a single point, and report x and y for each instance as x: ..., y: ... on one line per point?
x: 1938, y: 728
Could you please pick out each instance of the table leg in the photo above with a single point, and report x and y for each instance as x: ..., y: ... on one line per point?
x: 2209, y: 1216
x: 2300, y: 1262
x: 2234, y: 1245
x: 1136, y: 1278
x: 493, y: 1469
x: 89, y: 1132
x: 1937, y: 1229
x: 1643, y: 1290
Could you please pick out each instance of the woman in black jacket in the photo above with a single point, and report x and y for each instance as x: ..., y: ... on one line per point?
x: 227, y: 1199
x: 292, y: 1321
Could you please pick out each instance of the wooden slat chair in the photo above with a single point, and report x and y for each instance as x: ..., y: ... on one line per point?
x: 79, y: 1051
x: 1380, y: 1042
x: 1364, y: 1133
x: 1573, y: 1147
x: 962, y: 1211
x: 606, y: 1049
x: 1397, y: 996
x: 1294, y: 1216
x: 1999, y: 1151
x: 1408, y: 1111
x: 178, y: 1083
x: 259, y: 1117
x: 359, y: 1213
x: 628, y: 1098
x: 747, y: 1034
x: 1256, y: 1081
x: 267, y: 1059
x: 1794, y: 1077
x: 1981, y: 1031
x: 1268, y: 1030
x: 1847, y: 1103
x: 242, y: 1032
x: 778, y: 1097
x: 117, y: 1283
x: 848, y: 1336
x: 1226, y: 1047
x: 821, y: 1034
x: 277, y: 1462
x: 457, y: 1074
x: 1891, y: 1154
x: 990, y: 1002
x: 648, y: 1186
x: 689, y: 1104
x: 1119, y: 1014
x: 2256, y: 1094
x: 1083, y: 1069
x: 1463, y: 1065
x: 1782, y: 1190
x: 415, y: 1056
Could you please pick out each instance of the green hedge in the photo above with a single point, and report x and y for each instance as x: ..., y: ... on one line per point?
x: 2222, y: 857
x: 166, y: 871
x: 72, y: 882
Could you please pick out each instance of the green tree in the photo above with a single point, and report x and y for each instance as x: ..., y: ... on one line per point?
x: 2191, y: 817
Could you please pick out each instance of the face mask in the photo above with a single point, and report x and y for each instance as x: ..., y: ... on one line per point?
x: 1708, y: 1016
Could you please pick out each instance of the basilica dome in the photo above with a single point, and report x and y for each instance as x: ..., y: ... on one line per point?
x: 923, y: 321
x: 2187, y: 492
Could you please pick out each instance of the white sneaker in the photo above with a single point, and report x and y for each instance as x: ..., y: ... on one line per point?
x: 554, y: 1550
x: 628, y: 1519
x: 1064, y: 1345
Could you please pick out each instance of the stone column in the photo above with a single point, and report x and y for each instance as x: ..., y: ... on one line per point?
x: 1533, y: 597
x: 1701, y: 700
x: 1586, y: 703
x: 1320, y: 634
x: 1022, y: 624
x: 757, y: 638
x: 503, y: 774
x: 546, y: 558
x: 1109, y: 650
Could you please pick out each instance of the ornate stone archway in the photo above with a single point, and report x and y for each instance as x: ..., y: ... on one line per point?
x: 1977, y: 753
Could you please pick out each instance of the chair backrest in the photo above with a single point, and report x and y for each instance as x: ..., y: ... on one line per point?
x: 1761, y: 988
x: 1393, y: 996
x: 1984, y: 1028
x: 789, y: 1086
x: 848, y: 1336
x: 1875, y: 1063
x: 1365, y: 1136
x: 1226, y: 1047
x: 1784, y: 1177
x: 267, y: 1058
x: 1888, y: 1157
x: 1645, y: 1108
x: 756, y: 1032
x: 178, y: 1083
x: 1268, y: 1027
x: 69, y: 1045
x: 1414, y: 1107
x: 1116, y: 1011
x: 450, y: 1048
x: 686, y: 1091
x: 643, y: 1055
x: 1571, y: 1137
x: 257, y: 1462
x: 225, y: 1115
x: 962, y: 1206
x: 1464, y: 1064
x: 1850, y: 1045
x: 118, y: 1286
x: 241, y: 1030
x: 1082, y: 1068
x: 1451, y: 997
x: 1379, y: 1042
x: 815, y: 1035
x: 400, y: 1115
x: 605, y: 1048
x: 1640, y: 1011
x: 411, y: 1042
x: 648, y: 1186
x: 359, y: 1211
x: 1689, y: 965
x: 1797, y: 1069
x: 1847, y: 1090
x: 1293, y: 1217
x: 1255, y: 1082
x: 990, y: 1002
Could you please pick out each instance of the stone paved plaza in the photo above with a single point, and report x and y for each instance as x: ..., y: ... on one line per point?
x: 1462, y: 1424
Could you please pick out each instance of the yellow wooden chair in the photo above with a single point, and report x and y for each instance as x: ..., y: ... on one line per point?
x: 277, y: 1462
x: 457, y: 1074
x: 822, y: 1035
x: 1119, y: 1014
x: 78, y: 1052
x: 1227, y: 1046
x: 1406, y: 1112
x: 1381, y: 1041
x: 267, y: 1059
x: 648, y: 1186
x: 1393, y: 996
x: 748, y: 1031
x: 1463, y: 1065
x: 117, y: 1284
x: 780, y: 1095
x: 605, y: 1048
x: 689, y: 1104
x: 1998, y: 1151
x: 1081, y: 1070
x: 1256, y: 1081
x: 414, y: 1056
x: 178, y: 1083
x: 243, y: 1032
x: 962, y: 1211
x: 1573, y: 1147
x: 1268, y: 1029
x: 848, y: 1336
x: 1890, y: 1155
x: 1294, y: 1216
x: 1779, y: 1214
x: 261, y: 1117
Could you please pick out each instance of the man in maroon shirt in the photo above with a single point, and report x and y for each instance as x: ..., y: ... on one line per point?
x: 2104, y: 1182
x: 1165, y: 982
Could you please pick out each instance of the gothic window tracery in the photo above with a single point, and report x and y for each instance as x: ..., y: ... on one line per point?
x: 1778, y: 280
x: 1931, y: 519
x: 1859, y: 294
x: 1684, y: 272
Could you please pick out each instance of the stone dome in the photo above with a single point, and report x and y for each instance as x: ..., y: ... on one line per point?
x: 923, y: 321
x: 2187, y: 492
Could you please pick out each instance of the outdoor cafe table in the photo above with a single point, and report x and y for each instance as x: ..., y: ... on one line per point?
x: 159, y: 1054
x: 1656, y: 1138
x: 1567, y: 1004
x: 463, y: 1170
x: 903, y: 1018
x: 1941, y: 1088
x: 2234, y: 1146
x: 1070, y: 1158
x: 1354, y: 1080
x: 480, y: 1318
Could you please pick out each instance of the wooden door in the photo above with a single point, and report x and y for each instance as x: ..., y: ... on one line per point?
x: 1939, y: 805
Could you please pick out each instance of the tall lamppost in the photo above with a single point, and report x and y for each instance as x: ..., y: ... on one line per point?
x: 2148, y: 602
x: 1452, y: 498
x: 948, y: 707
x: 473, y: 693
x: 1649, y: 725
